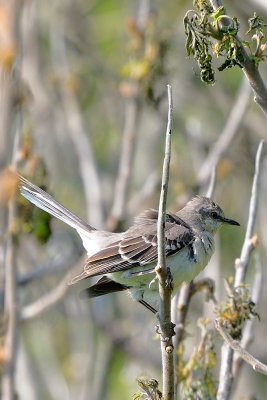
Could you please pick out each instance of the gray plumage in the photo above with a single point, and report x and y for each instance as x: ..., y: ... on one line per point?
x: 127, y: 260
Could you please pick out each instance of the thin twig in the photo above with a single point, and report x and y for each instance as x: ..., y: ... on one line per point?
x: 10, y: 344
x: 227, y: 135
x: 165, y: 289
x: 248, y: 245
x: 235, y: 345
x: 42, y: 304
x: 248, y: 331
x: 212, y: 183
x: 143, y: 193
x: 249, y: 67
x: 8, y: 379
x: 126, y: 161
x: 76, y: 128
x: 129, y: 135
x: 182, y: 309
x: 225, y: 379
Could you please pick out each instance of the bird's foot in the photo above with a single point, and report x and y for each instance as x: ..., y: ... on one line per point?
x: 170, y: 335
x: 169, y: 279
x: 154, y: 280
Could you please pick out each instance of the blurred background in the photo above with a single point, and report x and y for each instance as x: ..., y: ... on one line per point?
x: 83, y: 115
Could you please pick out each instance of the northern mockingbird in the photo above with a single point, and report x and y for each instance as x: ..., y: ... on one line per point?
x: 127, y: 260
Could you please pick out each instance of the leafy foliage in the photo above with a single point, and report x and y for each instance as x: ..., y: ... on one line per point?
x: 198, y: 43
x: 237, y: 309
x: 202, y: 27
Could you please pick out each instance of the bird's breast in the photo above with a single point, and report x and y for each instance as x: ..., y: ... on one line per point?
x: 187, y: 263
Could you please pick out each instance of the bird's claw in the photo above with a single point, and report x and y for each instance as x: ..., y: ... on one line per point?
x: 154, y: 280
x: 169, y: 279
x: 171, y: 334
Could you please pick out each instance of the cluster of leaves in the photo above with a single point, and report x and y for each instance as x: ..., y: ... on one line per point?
x: 237, y: 309
x: 203, y: 26
x: 196, y: 375
x: 147, y: 51
x: 197, y: 26
x: 229, y: 46
x: 256, y: 26
x: 32, y: 219
x: 150, y: 390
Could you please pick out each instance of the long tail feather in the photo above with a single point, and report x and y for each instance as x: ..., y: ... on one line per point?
x: 47, y: 203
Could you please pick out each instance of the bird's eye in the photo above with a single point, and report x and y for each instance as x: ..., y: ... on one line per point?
x: 214, y: 214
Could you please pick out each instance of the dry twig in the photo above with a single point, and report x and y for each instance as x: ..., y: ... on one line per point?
x: 248, y: 331
x: 48, y: 300
x: 77, y: 131
x: 227, y: 135
x: 162, y: 272
x: 235, y: 345
x: 225, y: 379
x: 10, y: 301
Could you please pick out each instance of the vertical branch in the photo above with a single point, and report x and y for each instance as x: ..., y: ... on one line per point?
x: 77, y: 131
x: 8, y: 51
x: 248, y: 246
x: 126, y: 159
x: 132, y: 108
x: 8, y: 385
x: 162, y: 272
x: 227, y: 135
x: 8, y: 379
x: 9, y: 25
x: 225, y: 378
x: 248, y: 331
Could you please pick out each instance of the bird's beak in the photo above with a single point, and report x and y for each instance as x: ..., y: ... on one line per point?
x: 230, y: 221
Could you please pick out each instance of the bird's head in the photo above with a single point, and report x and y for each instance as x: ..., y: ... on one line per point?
x: 206, y: 214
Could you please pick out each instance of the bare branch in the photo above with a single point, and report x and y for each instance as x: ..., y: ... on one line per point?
x: 79, y: 135
x: 227, y: 135
x: 225, y: 380
x: 126, y: 161
x: 129, y: 135
x: 182, y: 309
x: 212, y: 183
x: 249, y: 245
x: 10, y: 343
x: 48, y: 300
x: 144, y: 193
x: 256, y: 364
x: 8, y: 385
x: 248, y: 331
x: 165, y: 289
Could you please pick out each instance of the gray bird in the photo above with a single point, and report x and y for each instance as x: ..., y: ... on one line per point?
x: 126, y: 260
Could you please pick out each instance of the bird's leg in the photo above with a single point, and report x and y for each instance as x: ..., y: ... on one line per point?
x: 172, y: 331
x: 148, y: 306
x: 169, y: 279
x: 154, y: 280
x: 157, y: 328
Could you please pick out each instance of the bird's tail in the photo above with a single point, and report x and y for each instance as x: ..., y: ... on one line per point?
x: 47, y: 203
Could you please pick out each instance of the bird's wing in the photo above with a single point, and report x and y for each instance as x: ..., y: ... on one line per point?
x: 138, y: 245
